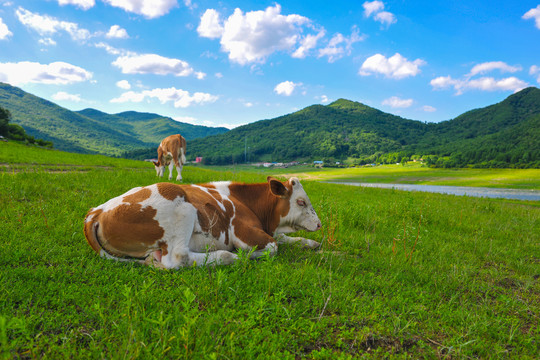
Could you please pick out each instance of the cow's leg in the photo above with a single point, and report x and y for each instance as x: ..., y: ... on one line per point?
x: 218, y: 257
x: 257, y: 239
x: 171, y: 165
x: 178, y: 170
x: 284, y: 239
x: 271, y: 249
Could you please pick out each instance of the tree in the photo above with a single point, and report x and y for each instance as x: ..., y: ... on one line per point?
x: 5, y: 117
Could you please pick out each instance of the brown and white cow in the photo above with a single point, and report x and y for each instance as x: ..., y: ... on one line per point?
x: 174, y: 225
x: 171, y: 148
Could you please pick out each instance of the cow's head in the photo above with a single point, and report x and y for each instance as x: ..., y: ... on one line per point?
x: 300, y: 215
x: 159, y: 168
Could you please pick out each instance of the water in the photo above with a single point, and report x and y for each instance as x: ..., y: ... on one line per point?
x: 524, y: 194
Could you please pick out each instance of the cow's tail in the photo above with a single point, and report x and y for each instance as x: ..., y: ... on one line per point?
x: 91, y: 232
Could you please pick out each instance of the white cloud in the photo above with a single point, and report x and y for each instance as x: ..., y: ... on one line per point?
x: 535, y: 70
x: 385, y: 18
x: 117, y: 32
x: 375, y: 9
x: 372, y: 7
x: 324, y: 99
x: 4, y: 31
x: 218, y: 75
x: 123, y: 84
x: 286, y: 88
x: 154, y: 64
x: 47, y: 42
x: 46, y: 25
x: 64, y: 96
x: 83, y: 4
x: 210, y: 26
x: 148, y: 8
x: 428, y: 108
x: 340, y: 45
x: 483, y: 83
x: 248, y: 104
x: 534, y: 13
x: 493, y: 65
x: 396, y: 102
x: 307, y: 43
x: 180, y: 98
x: 58, y: 73
x: 253, y: 36
x: 395, y: 67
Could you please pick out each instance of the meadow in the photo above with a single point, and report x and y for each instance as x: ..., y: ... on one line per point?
x: 398, y: 275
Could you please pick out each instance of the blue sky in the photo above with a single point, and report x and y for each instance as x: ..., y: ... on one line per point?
x: 218, y: 63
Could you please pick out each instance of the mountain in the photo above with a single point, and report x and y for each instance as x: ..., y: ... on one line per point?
x: 504, y: 133
x: 90, y: 130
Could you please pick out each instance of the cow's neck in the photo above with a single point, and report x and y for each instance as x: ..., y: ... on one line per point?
x: 266, y: 206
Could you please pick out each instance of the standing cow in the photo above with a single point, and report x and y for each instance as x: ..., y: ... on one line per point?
x: 171, y: 148
x: 174, y: 226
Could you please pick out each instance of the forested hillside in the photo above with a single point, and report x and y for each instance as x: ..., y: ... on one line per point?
x: 501, y: 135
x: 92, y: 131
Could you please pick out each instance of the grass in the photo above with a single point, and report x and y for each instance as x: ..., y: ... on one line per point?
x: 416, y: 174
x: 399, y: 275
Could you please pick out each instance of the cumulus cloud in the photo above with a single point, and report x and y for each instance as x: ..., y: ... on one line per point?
x: 395, y: 67
x: 154, y: 64
x: 4, y: 31
x: 123, y: 84
x: 486, y: 67
x: 47, y: 42
x: 340, y: 45
x: 428, y: 108
x: 375, y: 9
x: 210, y: 25
x: 396, y: 102
x: 535, y: 70
x: 324, y: 99
x: 148, y: 8
x: 252, y: 36
x: 286, y: 88
x: 117, y: 32
x: 58, y: 73
x: 64, y: 96
x: 47, y: 25
x: 485, y: 83
x: 534, y: 13
x: 179, y: 98
x: 83, y: 4
x: 307, y: 43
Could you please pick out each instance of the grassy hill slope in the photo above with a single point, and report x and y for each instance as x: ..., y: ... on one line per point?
x: 92, y: 131
x: 506, y: 132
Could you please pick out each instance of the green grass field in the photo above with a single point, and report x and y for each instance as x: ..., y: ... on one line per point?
x: 399, y: 275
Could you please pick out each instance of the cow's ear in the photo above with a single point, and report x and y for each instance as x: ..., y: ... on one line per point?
x: 277, y: 188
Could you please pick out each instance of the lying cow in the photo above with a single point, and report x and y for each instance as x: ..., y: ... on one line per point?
x: 171, y: 151
x: 174, y: 225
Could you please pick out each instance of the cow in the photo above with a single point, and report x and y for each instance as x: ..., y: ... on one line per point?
x: 171, y: 225
x: 171, y: 148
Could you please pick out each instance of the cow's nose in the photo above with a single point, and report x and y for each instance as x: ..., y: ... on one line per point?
x: 319, y: 226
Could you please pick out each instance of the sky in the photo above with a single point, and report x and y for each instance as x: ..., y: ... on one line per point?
x: 219, y: 63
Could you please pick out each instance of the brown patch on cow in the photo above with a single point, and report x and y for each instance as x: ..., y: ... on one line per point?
x: 138, y: 197
x: 89, y: 229
x: 171, y: 191
x: 130, y: 230
x: 164, y: 248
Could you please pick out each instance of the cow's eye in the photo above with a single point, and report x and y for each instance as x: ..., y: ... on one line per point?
x: 301, y: 202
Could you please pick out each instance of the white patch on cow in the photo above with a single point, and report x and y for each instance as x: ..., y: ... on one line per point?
x: 222, y: 188
x: 299, y: 217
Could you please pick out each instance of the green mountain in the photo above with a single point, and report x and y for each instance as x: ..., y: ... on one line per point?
x: 501, y: 134
x: 92, y: 131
